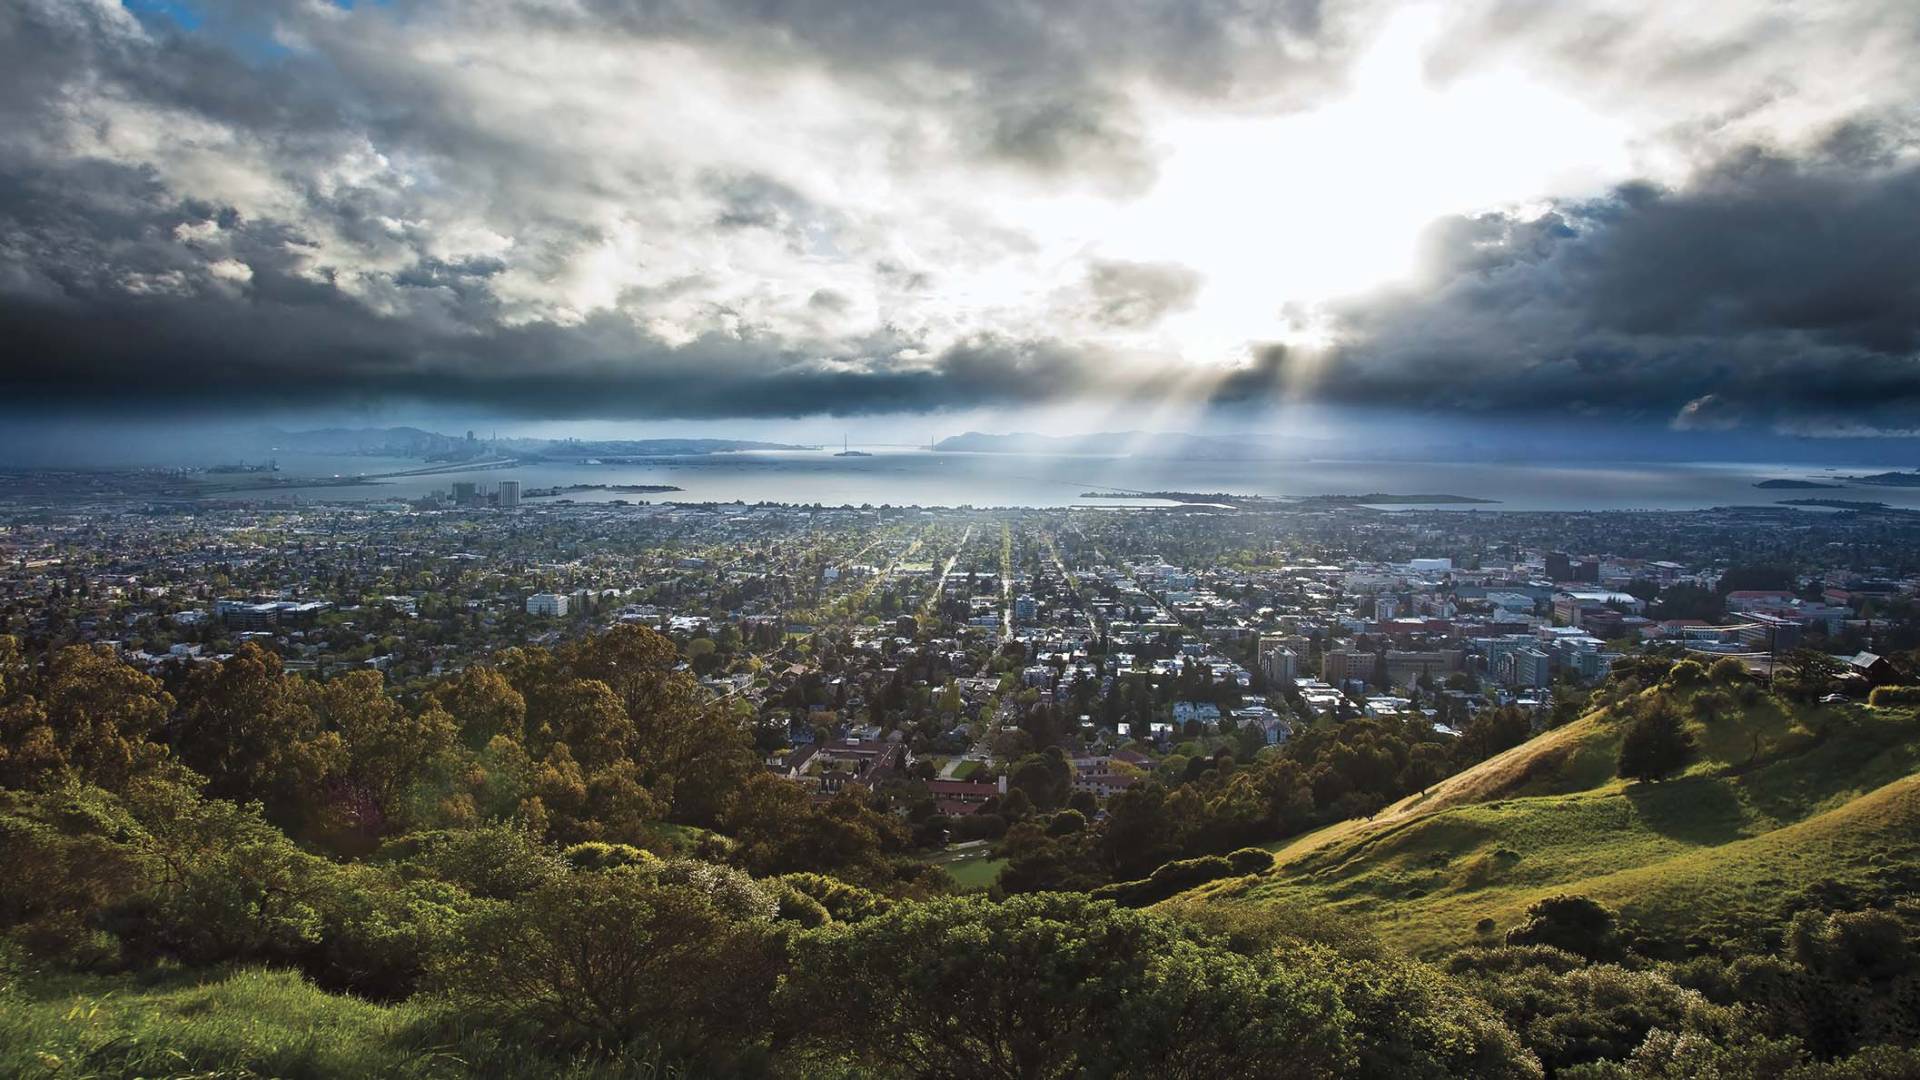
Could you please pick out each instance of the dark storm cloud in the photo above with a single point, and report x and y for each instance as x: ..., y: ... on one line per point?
x: 294, y: 345
x: 298, y: 205
x: 1264, y: 379
x: 1772, y: 291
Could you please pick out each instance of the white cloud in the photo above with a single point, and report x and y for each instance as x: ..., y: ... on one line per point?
x: 876, y: 193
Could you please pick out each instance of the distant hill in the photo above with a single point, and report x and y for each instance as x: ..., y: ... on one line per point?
x: 575, y: 449
x: 1889, y: 479
x: 417, y: 443
x: 1140, y: 444
x: 1795, y: 485
x: 379, y: 442
x: 1778, y: 803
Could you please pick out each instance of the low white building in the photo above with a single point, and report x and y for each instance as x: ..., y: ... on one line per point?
x: 1381, y: 706
x: 547, y: 604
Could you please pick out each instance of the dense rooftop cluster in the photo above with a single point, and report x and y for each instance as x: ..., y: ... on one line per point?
x: 895, y: 645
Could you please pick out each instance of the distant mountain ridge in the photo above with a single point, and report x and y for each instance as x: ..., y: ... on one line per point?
x: 416, y: 442
x: 390, y: 441
x: 1140, y: 444
x: 568, y: 449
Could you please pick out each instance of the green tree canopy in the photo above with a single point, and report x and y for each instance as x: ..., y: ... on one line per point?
x: 1057, y: 985
x: 1657, y: 743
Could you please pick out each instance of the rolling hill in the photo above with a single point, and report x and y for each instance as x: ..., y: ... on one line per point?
x: 1780, y: 803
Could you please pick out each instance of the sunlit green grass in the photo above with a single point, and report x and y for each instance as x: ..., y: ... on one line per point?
x: 975, y: 873
x: 1774, y: 804
x: 251, y: 1024
x: 970, y: 868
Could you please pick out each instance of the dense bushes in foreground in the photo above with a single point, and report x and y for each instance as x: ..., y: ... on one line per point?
x: 599, y: 953
x: 589, y: 950
x: 393, y: 894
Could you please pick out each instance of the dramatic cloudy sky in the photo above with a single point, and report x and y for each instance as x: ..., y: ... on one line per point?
x: 1701, y: 215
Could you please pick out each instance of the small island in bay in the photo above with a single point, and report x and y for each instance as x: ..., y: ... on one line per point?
x: 1889, y: 479
x: 1837, y: 504
x: 1795, y: 485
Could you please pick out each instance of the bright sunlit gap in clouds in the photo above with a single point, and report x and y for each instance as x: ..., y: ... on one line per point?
x: 1281, y: 213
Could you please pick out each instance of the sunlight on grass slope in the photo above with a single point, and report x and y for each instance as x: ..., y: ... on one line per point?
x: 1774, y: 803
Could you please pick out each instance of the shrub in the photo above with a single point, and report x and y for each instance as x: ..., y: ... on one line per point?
x: 498, y: 862
x: 379, y: 934
x: 155, y: 871
x: 62, y: 875
x: 1573, y: 1016
x: 1727, y: 671
x: 1575, y: 924
x: 1186, y: 872
x: 1279, y: 926
x: 260, y: 901
x: 1850, y: 945
x: 1511, y: 959
x: 1894, y: 697
x: 1055, y: 984
x: 1066, y: 823
x: 1872, y: 1063
x: 1656, y: 745
x: 617, y: 958
x: 14, y: 965
x: 796, y: 906
x: 1670, y: 1055
x: 597, y: 855
x: 842, y: 902
x: 1686, y: 673
x: 1251, y: 860
x: 1170, y: 879
x: 732, y: 891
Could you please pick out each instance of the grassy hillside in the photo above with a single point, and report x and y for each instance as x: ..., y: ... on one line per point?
x: 255, y: 1024
x: 1780, y: 801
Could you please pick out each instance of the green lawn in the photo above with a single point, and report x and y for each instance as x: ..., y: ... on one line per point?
x: 975, y: 873
x: 970, y: 868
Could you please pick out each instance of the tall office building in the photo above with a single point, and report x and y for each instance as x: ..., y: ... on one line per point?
x: 1559, y: 566
x: 1278, y: 662
x: 509, y: 494
x: 465, y: 493
x: 1531, y: 667
x: 1341, y: 667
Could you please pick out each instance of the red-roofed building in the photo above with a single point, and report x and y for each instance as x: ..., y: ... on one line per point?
x: 958, y: 798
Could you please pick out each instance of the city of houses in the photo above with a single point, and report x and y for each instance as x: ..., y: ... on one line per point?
x: 899, y: 645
